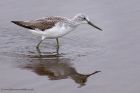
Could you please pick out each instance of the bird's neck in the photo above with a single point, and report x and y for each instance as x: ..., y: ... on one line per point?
x: 74, y: 23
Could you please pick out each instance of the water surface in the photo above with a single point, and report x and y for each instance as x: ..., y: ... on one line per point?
x: 114, y: 51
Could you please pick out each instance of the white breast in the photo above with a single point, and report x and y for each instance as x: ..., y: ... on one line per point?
x: 57, y: 31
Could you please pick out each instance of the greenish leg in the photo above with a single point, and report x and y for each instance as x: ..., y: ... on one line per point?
x: 38, y: 44
x: 57, y: 40
x: 39, y: 52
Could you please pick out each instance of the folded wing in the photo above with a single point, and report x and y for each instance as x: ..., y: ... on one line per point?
x: 41, y: 24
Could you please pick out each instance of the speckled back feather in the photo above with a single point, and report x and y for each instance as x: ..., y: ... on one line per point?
x: 41, y: 24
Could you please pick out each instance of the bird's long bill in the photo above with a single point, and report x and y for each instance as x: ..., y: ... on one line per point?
x: 93, y: 73
x: 94, y: 26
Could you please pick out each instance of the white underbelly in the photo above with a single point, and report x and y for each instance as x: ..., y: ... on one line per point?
x: 57, y: 32
x: 54, y: 32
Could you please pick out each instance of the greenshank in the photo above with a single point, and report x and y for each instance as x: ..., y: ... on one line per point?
x: 54, y: 27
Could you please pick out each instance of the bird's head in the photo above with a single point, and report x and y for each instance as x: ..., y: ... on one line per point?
x: 83, y: 19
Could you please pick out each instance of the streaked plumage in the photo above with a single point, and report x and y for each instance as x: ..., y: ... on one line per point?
x: 41, y: 24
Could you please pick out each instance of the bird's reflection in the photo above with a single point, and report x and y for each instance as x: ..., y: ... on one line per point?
x: 56, y: 67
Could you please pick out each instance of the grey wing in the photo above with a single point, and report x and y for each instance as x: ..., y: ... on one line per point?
x: 42, y: 24
x: 46, y: 23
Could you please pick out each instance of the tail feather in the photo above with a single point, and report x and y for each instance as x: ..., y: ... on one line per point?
x: 22, y: 24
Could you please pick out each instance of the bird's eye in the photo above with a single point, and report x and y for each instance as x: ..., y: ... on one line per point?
x: 84, y: 18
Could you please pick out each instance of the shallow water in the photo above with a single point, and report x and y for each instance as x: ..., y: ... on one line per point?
x: 114, y: 51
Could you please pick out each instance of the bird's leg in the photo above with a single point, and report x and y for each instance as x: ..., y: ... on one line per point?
x: 57, y: 40
x: 38, y: 44
x: 42, y: 38
x: 39, y: 52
